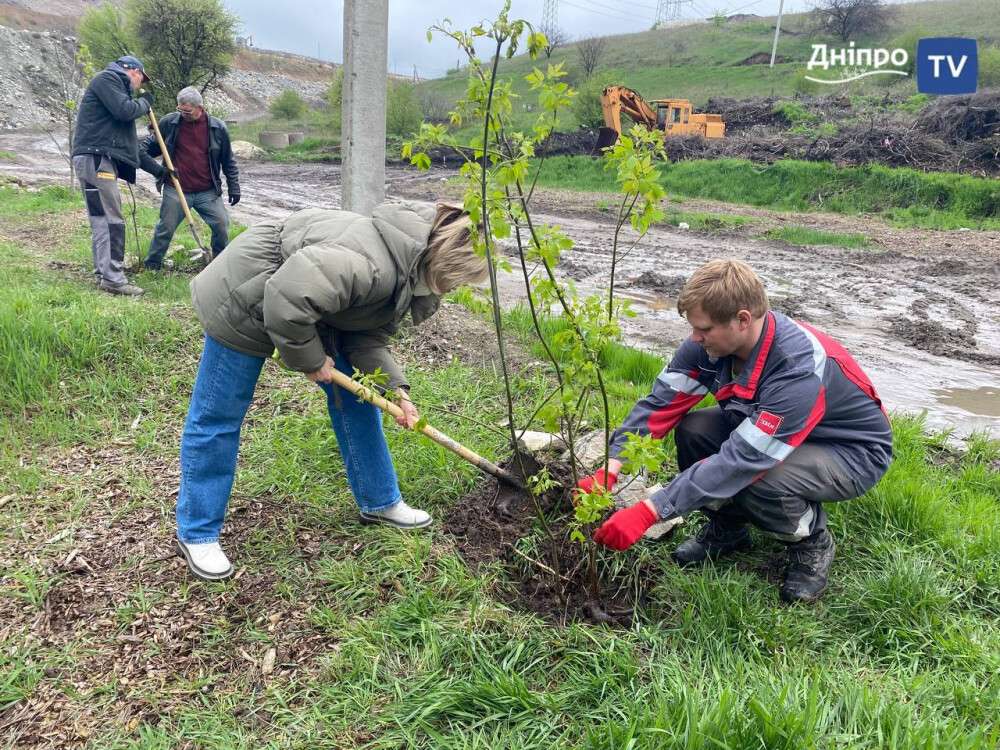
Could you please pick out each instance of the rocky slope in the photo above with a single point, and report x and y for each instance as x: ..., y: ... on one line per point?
x: 36, y: 79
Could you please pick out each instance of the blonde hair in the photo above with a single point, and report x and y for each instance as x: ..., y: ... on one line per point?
x: 450, y: 260
x: 721, y: 288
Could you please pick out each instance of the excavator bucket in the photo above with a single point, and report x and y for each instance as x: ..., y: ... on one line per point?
x: 606, y: 137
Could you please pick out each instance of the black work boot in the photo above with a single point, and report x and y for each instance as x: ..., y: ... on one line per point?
x: 808, y: 568
x: 715, y: 539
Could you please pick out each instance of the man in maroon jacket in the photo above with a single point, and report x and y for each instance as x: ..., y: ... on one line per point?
x: 199, y: 149
x: 798, y: 424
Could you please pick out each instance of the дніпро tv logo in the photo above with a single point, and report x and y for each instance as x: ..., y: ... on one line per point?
x: 947, y: 65
x: 944, y: 65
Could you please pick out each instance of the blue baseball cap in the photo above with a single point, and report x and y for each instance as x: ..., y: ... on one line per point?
x: 132, y: 63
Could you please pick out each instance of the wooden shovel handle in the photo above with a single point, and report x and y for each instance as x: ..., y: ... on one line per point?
x: 436, y: 435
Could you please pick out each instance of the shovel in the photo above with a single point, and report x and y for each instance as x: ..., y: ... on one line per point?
x: 437, y: 436
x: 206, y: 253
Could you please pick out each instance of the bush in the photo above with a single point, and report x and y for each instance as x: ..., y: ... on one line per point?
x: 908, y: 41
x: 335, y: 91
x: 587, y: 104
x: 402, y: 112
x: 802, y: 85
x: 989, y: 67
x: 794, y: 113
x: 288, y: 105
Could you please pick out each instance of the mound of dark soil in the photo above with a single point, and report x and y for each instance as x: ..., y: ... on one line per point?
x: 552, y: 580
x: 668, y: 286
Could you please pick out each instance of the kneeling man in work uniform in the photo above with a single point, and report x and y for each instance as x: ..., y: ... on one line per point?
x: 798, y: 424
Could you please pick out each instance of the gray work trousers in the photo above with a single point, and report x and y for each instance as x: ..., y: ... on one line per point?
x: 99, y: 180
x: 786, y: 502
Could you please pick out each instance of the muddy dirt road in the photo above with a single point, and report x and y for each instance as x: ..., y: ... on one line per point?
x: 918, y: 309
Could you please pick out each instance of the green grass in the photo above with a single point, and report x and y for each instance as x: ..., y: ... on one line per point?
x: 7, y: 155
x: 389, y: 640
x: 796, y: 235
x: 904, y: 197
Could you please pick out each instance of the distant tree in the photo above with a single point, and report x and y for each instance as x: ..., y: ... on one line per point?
x: 335, y: 91
x: 591, y: 50
x: 435, y: 105
x: 850, y: 19
x: 402, y: 109
x: 554, y: 39
x: 102, y: 30
x: 287, y: 105
x: 183, y: 42
x: 72, y: 71
x: 587, y: 102
x: 989, y: 67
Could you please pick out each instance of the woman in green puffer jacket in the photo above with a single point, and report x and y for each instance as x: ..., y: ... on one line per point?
x: 326, y: 289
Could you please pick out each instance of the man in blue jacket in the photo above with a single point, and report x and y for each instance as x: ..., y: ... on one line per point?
x: 106, y: 148
x: 798, y: 424
x: 199, y: 149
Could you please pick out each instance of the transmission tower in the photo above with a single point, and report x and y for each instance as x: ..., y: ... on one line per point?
x: 550, y: 14
x: 668, y: 10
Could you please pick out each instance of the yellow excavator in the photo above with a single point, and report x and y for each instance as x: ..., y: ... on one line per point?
x: 669, y: 116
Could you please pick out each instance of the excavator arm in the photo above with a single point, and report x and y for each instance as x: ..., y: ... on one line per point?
x: 618, y: 99
x: 614, y: 101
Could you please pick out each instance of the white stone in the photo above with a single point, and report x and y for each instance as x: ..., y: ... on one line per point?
x: 589, y: 449
x: 246, y: 151
x: 635, y: 491
x: 536, y: 442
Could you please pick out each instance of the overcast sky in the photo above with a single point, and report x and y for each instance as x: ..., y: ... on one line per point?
x: 312, y: 27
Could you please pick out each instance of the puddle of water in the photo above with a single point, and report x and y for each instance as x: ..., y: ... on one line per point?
x: 652, y: 301
x: 984, y: 401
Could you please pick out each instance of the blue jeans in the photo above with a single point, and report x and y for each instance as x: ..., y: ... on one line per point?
x: 222, y: 393
x: 208, y: 205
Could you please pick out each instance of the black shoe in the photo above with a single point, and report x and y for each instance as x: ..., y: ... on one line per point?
x: 152, y: 266
x: 713, y: 540
x: 808, y: 568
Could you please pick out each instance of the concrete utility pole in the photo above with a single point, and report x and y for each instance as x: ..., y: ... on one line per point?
x: 777, y: 30
x: 366, y: 52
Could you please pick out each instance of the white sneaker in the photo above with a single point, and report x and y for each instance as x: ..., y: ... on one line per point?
x: 400, y: 515
x: 206, y: 561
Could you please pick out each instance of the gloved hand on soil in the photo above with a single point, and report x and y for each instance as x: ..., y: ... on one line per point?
x: 625, y: 527
x: 598, y: 480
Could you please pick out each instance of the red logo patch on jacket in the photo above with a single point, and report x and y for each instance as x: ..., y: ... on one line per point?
x: 768, y: 422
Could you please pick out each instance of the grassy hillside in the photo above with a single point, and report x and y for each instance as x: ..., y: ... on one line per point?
x: 703, y: 60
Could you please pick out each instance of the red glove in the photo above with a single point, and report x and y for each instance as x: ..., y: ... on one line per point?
x: 598, y: 479
x: 625, y: 527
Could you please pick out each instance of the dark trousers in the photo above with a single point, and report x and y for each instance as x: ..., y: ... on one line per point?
x: 206, y: 203
x: 785, y: 502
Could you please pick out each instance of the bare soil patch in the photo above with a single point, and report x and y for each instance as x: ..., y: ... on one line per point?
x: 553, y: 582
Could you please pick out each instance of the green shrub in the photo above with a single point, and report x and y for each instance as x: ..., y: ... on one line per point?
x: 802, y: 85
x: 915, y: 103
x: 587, y: 104
x: 989, y: 67
x: 335, y: 91
x: 794, y: 113
x: 288, y: 105
x: 908, y: 41
x: 402, y: 110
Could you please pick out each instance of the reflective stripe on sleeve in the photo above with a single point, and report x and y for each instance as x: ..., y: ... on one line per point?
x: 766, y: 444
x: 682, y: 383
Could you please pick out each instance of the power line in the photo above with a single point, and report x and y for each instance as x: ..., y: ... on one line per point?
x: 598, y: 12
